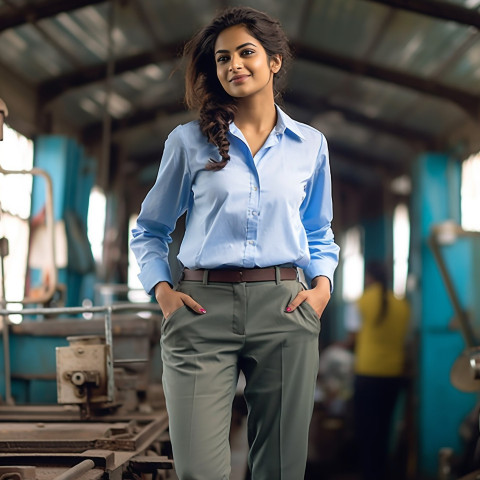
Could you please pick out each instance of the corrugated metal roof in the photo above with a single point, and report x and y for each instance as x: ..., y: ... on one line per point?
x: 367, y: 71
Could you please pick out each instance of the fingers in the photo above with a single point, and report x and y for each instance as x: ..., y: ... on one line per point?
x: 300, y: 298
x: 170, y: 300
x: 191, y: 303
x: 316, y: 299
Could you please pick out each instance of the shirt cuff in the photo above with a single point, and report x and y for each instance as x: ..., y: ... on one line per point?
x: 322, y: 268
x: 153, y: 273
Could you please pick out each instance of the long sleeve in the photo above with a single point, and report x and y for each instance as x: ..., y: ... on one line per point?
x: 316, y: 213
x: 164, y: 204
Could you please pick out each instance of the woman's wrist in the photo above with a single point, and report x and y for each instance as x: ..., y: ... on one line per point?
x: 321, y: 282
x: 161, y: 287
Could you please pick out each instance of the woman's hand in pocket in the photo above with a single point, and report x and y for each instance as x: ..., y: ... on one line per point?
x: 171, y: 300
x: 317, y: 297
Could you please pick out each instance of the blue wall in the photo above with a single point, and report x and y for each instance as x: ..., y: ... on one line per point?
x: 441, y: 407
x: 73, y: 175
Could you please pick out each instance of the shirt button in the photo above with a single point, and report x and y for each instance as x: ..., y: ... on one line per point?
x: 251, y: 242
x: 254, y: 213
x: 255, y: 188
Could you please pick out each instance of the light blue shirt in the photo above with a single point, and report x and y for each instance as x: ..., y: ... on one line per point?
x: 270, y: 209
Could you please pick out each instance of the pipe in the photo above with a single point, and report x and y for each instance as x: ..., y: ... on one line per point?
x: 140, y: 307
x: 52, y: 285
x: 453, y: 232
x: 109, y: 343
x: 3, y: 297
x: 79, y: 469
x: 6, y: 360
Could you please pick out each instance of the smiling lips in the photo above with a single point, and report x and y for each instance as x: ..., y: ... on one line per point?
x: 238, y: 78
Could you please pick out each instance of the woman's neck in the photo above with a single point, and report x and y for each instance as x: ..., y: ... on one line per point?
x: 256, y: 121
x: 256, y: 116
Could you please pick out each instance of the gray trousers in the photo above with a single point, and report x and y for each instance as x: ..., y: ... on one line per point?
x: 245, y: 328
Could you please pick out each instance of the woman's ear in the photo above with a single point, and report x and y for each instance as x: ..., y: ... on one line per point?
x: 276, y: 63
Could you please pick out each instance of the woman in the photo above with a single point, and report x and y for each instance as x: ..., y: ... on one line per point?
x: 380, y: 359
x: 256, y: 188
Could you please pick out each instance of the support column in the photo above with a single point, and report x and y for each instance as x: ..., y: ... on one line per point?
x: 72, y: 176
x: 441, y: 407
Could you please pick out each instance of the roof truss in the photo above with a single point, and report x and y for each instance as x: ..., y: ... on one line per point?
x: 437, y: 9
x: 467, y: 101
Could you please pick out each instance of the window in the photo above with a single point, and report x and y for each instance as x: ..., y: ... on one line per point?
x: 353, y: 264
x: 16, y: 153
x: 401, y: 249
x: 96, y: 222
x: 470, y: 193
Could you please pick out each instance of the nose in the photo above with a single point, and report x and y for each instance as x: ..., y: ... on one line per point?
x: 236, y: 63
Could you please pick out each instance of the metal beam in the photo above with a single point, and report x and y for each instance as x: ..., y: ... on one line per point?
x: 42, y: 9
x: 137, y: 118
x: 318, y: 105
x: 437, y: 9
x: 360, y: 158
x: 79, y: 78
x: 467, y: 101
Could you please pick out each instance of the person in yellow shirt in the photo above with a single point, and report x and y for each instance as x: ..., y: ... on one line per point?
x: 379, y: 343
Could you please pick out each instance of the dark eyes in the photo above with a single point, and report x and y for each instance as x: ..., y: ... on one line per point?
x: 226, y: 58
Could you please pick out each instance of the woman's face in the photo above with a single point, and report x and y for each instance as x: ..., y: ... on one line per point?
x: 243, y: 66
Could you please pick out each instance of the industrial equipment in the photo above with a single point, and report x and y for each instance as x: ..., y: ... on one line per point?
x: 96, y: 430
x: 465, y: 372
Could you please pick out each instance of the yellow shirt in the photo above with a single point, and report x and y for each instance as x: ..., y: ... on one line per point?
x: 380, y: 347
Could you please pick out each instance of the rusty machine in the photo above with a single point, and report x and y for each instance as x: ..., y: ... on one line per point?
x: 108, y: 423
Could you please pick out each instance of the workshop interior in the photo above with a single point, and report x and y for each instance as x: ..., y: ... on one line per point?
x: 89, y: 91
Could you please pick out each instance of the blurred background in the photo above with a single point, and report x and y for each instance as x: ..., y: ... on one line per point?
x: 89, y: 91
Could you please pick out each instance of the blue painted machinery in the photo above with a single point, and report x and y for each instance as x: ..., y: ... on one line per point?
x: 82, y: 396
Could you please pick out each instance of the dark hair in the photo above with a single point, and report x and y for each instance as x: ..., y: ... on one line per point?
x: 379, y: 274
x: 203, y: 89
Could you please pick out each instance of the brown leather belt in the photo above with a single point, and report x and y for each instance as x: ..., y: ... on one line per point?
x: 241, y: 275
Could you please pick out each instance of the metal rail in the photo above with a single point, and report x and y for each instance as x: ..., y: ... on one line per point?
x: 75, y: 472
x: 140, y: 307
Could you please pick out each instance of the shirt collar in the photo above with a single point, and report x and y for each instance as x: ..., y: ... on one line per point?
x: 284, y: 122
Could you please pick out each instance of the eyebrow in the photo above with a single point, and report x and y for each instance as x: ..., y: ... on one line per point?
x: 238, y: 48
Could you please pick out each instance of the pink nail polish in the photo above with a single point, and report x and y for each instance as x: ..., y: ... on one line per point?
x: 288, y: 309
x: 202, y: 310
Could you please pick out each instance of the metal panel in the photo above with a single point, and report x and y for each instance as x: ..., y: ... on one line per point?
x: 437, y: 116
x: 307, y: 76
x: 375, y: 98
x: 344, y: 26
x: 25, y: 51
x: 134, y: 90
x: 176, y: 20
x: 419, y: 44
x: 465, y: 73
